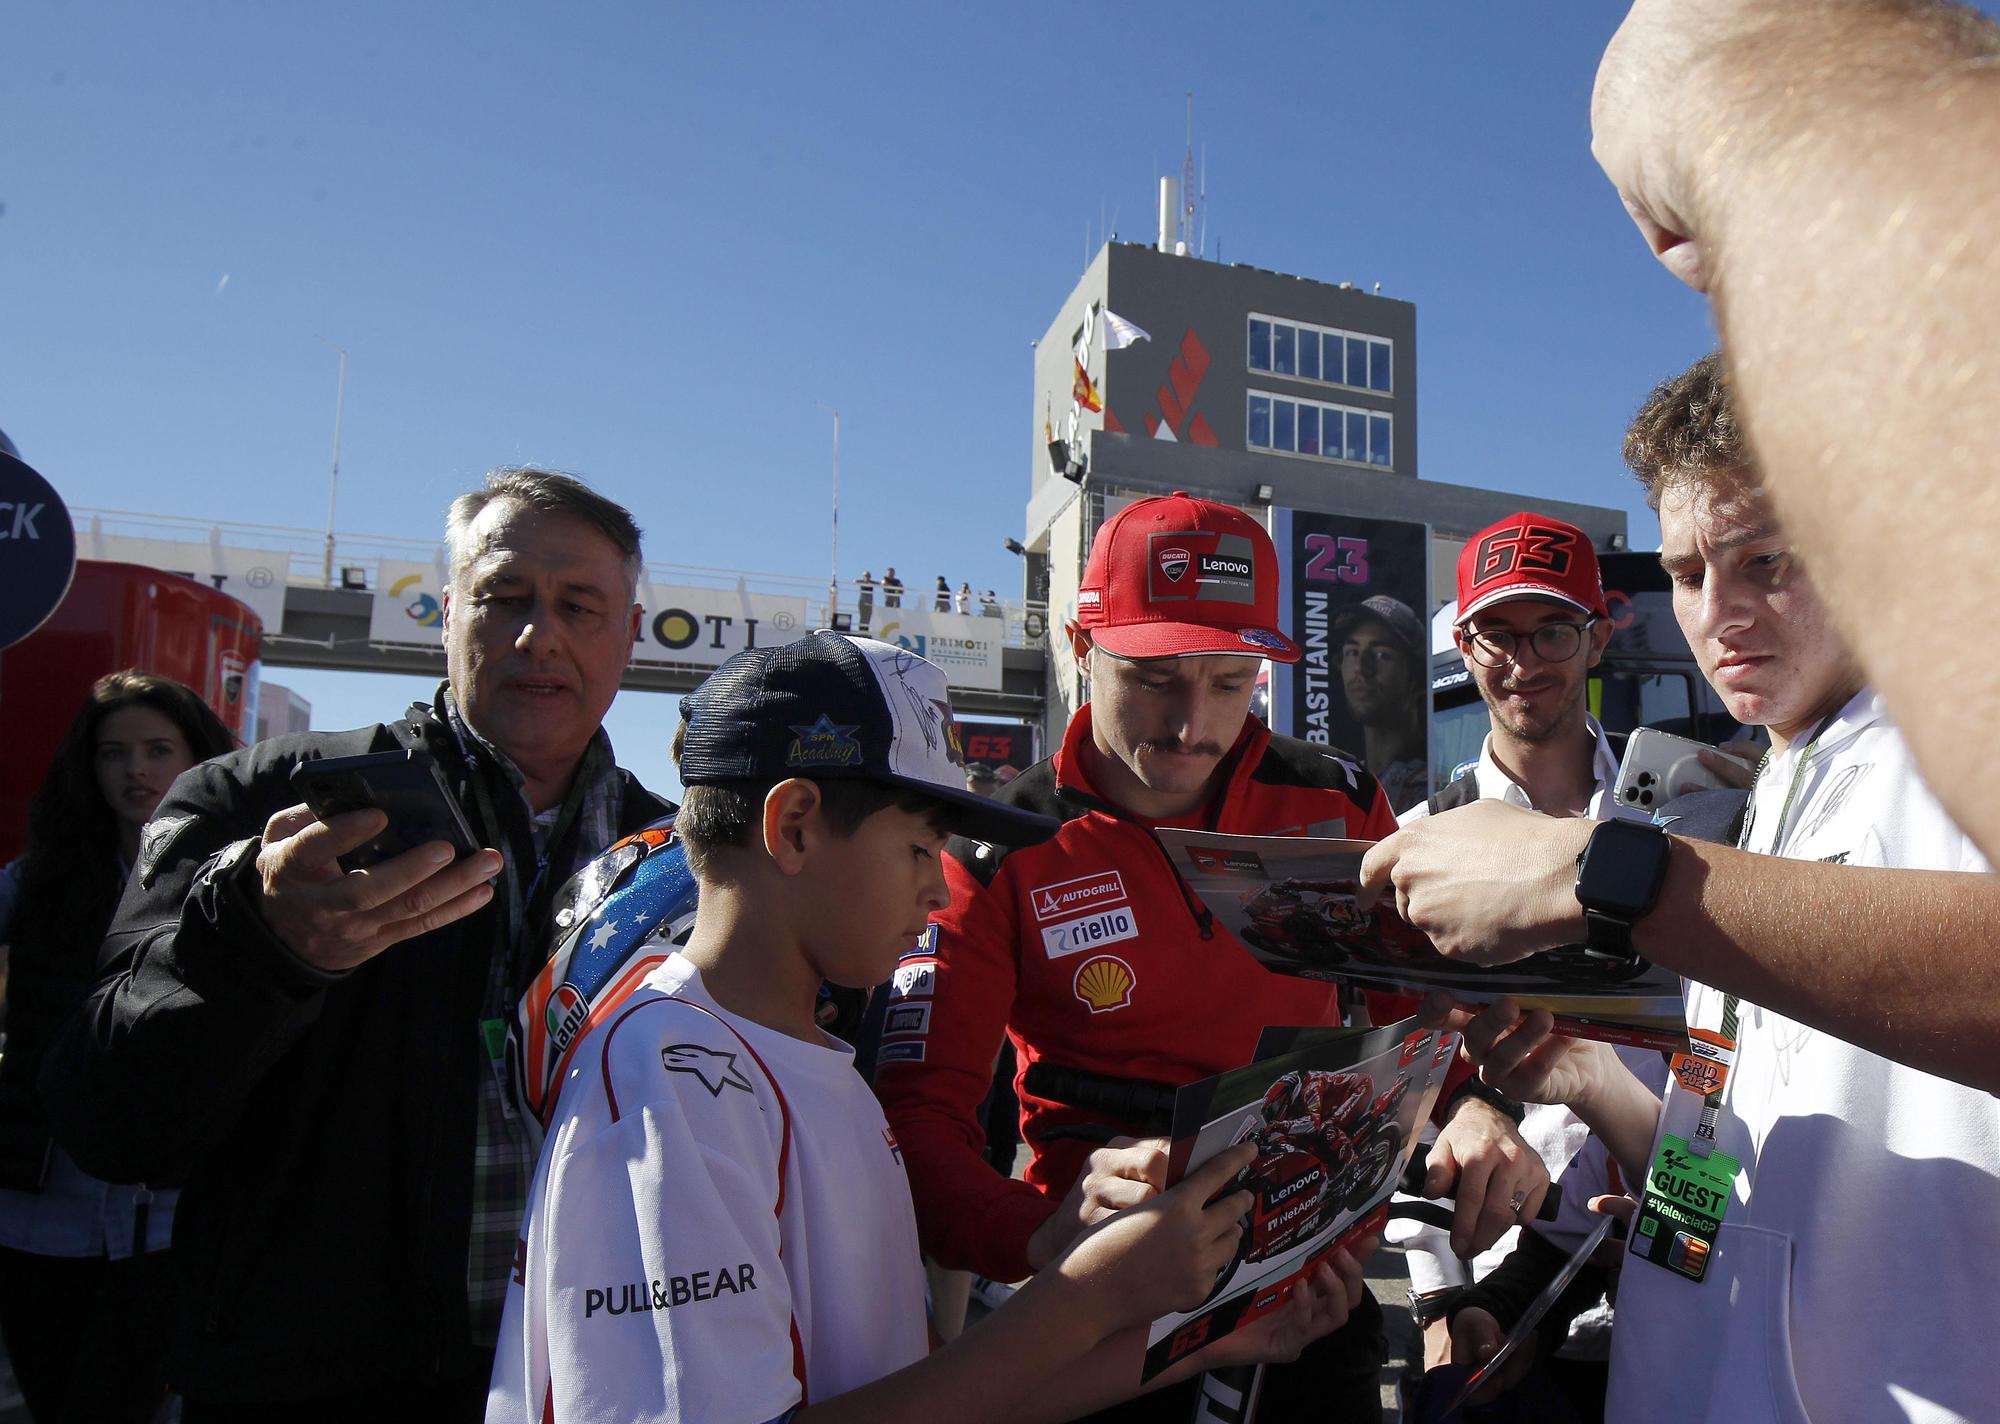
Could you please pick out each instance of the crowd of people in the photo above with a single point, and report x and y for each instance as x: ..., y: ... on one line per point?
x: 300, y: 1073
x: 945, y: 600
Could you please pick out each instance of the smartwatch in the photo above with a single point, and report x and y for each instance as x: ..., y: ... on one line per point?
x: 1618, y: 877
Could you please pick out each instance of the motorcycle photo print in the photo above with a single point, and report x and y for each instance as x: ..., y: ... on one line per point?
x: 1334, y: 1123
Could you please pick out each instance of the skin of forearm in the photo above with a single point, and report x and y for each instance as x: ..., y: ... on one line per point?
x: 1903, y: 963
x: 1847, y: 206
x: 1624, y: 1114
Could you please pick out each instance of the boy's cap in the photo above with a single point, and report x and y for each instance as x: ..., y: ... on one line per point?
x: 1176, y: 577
x: 1529, y: 556
x: 830, y: 706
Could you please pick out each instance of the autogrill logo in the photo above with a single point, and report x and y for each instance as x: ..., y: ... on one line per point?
x: 1067, y: 897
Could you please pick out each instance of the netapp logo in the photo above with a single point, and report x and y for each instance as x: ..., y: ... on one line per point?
x: 641, y: 1297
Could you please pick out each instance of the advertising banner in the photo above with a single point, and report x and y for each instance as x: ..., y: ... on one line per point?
x: 1356, y: 598
x: 966, y: 646
x: 409, y: 602
x: 703, y: 626
x: 257, y: 576
x: 708, y: 626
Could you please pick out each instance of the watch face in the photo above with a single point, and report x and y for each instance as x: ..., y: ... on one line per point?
x: 1621, y: 868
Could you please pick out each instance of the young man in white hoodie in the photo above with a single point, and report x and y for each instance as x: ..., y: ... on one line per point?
x: 1783, y: 1152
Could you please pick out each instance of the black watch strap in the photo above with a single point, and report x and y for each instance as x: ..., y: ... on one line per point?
x: 1475, y: 1087
x: 1607, y: 936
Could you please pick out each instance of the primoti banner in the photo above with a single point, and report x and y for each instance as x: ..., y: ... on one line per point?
x: 409, y: 602
x: 256, y: 576
x: 1356, y: 596
x: 966, y: 646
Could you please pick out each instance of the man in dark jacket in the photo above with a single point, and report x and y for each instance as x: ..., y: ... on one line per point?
x: 318, y: 1055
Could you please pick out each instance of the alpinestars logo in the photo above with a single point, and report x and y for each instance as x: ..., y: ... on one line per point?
x: 1174, y: 563
x: 715, y: 1070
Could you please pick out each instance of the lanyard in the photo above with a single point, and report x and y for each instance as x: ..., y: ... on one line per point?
x: 1721, y: 1049
x: 521, y: 898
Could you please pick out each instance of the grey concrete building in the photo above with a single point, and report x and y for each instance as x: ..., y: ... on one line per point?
x: 1259, y: 388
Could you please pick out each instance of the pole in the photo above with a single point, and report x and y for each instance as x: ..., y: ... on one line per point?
x: 333, y: 482
x: 833, y: 573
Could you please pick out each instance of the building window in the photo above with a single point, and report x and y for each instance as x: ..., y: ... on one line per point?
x: 1329, y: 432
x: 1320, y: 353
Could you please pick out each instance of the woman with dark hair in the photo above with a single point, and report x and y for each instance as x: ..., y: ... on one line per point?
x: 84, y: 1291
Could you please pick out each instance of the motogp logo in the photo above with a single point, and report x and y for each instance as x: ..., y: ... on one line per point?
x: 1174, y: 563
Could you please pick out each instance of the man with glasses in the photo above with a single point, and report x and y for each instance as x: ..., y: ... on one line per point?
x: 1382, y: 675
x: 1531, y: 624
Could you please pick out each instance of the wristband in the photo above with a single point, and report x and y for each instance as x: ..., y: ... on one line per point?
x: 1475, y: 1087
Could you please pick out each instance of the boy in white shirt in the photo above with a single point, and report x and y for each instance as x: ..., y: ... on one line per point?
x: 720, y: 1229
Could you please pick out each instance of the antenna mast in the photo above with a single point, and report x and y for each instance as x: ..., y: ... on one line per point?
x: 1187, y: 182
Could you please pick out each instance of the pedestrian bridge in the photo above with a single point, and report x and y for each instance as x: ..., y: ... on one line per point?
x: 357, y: 602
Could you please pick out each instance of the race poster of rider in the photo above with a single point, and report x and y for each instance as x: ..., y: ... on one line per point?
x: 1358, y: 596
x: 1334, y: 1118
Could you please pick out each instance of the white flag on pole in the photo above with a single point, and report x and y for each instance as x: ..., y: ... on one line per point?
x: 1120, y: 333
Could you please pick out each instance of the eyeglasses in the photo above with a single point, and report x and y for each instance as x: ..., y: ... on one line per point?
x: 1552, y: 642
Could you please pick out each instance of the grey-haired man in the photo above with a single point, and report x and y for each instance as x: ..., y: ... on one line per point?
x: 317, y: 1054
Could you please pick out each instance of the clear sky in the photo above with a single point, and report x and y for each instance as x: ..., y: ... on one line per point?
x: 644, y: 242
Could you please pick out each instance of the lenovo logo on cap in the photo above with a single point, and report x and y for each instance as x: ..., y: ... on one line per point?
x: 1174, y: 563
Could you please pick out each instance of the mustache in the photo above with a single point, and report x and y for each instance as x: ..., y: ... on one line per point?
x: 1215, y: 749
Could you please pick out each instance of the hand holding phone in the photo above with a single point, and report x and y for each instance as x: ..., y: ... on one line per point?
x: 1657, y: 767
x: 406, y: 786
x: 336, y: 916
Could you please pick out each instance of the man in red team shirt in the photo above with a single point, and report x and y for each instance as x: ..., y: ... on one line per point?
x: 1108, y: 974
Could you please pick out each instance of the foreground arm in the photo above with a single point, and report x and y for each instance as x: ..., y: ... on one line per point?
x: 1023, y: 1364
x: 1903, y: 963
x: 1827, y: 173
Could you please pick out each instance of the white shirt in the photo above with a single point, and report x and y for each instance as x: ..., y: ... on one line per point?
x: 719, y: 1229
x: 1853, y: 1276
x: 1496, y: 785
x: 1550, y: 1128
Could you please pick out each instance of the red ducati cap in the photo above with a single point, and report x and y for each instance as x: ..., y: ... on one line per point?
x: 1175, y: 577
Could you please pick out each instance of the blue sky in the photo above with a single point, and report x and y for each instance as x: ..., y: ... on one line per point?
x: 642, y: 242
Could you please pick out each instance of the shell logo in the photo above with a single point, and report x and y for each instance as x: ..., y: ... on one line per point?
x: 423, y: 610
x: 1104, y: 983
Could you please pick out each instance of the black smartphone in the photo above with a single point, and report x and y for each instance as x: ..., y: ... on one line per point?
x: 405, y: 785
